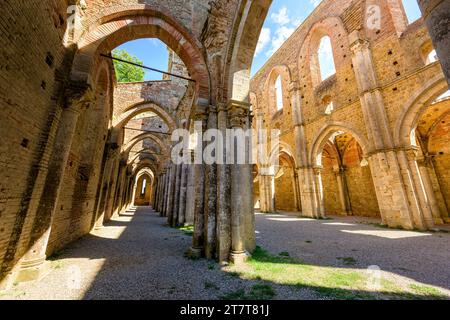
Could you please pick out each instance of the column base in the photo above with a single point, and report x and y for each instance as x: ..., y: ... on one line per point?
x: 195, y: 253
x: 239, y: 257
x: 33, y: 270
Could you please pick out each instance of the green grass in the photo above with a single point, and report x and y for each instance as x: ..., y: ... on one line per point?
x: 327, y: 282
x: 425, y: 290
x: 348, y: 261
x: 187, y: 230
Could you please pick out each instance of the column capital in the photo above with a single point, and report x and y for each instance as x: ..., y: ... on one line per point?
x: 238, y: 113
x: 294, y: 86
x: 358, y: 44
x: 78, y: 96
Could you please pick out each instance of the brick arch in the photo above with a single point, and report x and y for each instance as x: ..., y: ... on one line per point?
x: 414, y: 108
x: 135, y: 157
x: 285, y: 148
x: 135, y: 110
x: 249, y: 20
x: 145, y: 164
x: 126, y: 148
x: 115, y: 28
x: 321, y: 139
x: 269, y: 87
x: 331, y: 27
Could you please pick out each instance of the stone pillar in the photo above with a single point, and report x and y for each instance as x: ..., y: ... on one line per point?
x: 242, y: 215
x: 176, y: 198
x: 100, y: 213
x: 397, y: 196
x: 211, y: 194
x: 424, y: 219
x: 182, y: 203
x: 223, y: 193
x: 166, y: 192
x: 190, y: 195
x: 436, y: 14
x: 32, y: 265
x: 121, y: 190
x: 171, y: 195
x: 320, y: 200
x: 112, y: 190
x: 267, y: 188
x: 306, y: 179
x: 343, y: 191
x: 424, y: 171
x: 198, y: 238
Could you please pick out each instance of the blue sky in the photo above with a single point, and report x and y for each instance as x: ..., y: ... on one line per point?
x: 282, y: 20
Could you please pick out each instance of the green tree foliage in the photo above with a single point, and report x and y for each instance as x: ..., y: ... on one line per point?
x: 126, y: 72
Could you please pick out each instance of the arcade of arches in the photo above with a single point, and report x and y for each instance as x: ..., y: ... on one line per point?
x: 78, y: 148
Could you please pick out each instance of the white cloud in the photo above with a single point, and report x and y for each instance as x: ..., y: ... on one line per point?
x: 281, y: 35
x: 315, y: 3
x: 263, y: 41
x: 281, y: 17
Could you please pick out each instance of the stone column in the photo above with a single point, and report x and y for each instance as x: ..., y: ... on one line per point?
x: 306, y: 179
x: 198, y: 238
x: 176, y: 197
x: 343, y: 191
x: 266, y: 187
x: 211, y: 193
x: 112, y: 189
x: 424, y: 218
x: 32, y: 264
x: 424, y: 170
x: 223, y: 193
x: 190, y: 195
x: 100, y: 213
x: 397, y: 197
x: 320, y: 200
x: 182, y: 203
x: 171, y: 194
x: 436, y: 14
x: 121, y: 190
x: 242, y: 215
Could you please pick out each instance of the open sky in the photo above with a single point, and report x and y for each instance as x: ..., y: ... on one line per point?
x: 283, y: 18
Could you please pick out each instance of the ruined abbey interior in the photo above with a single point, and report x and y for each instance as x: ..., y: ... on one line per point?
x: 79, y: 150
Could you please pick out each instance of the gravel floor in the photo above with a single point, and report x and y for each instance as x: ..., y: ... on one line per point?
x: 136, y: 256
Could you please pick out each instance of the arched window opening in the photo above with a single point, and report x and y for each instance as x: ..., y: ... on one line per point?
x: 144, y: 186
x: 279, y: 93
x: 432, y: 57
x: 326, y: 59
x: 412, y: 10
x: 329, y: 105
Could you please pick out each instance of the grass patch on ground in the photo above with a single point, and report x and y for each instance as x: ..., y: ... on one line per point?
x: 187, y: 230
x: 327, y: 282
x: 425, y: 290
x: 348, y: 261
x: 256, y: 292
